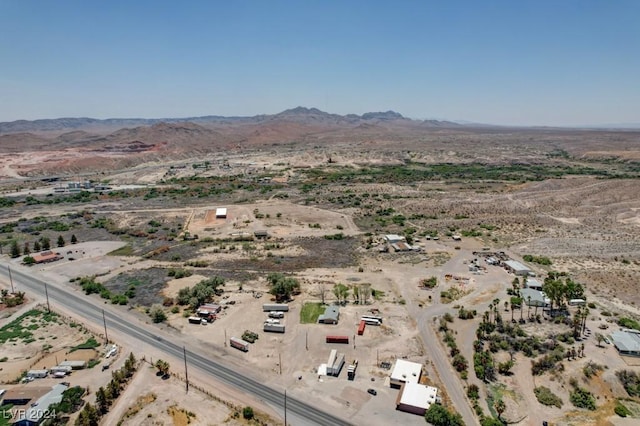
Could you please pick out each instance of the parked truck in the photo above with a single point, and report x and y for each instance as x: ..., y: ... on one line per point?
x: 282, y: 307
x: 239, y: 344
x: 351, y: 370
x: 274, y: 328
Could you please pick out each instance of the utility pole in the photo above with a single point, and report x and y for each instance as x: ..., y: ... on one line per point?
x: 11, y: 279
x: 285, y: 407
x: 306, y: 340
x: 104, y: 321
x: 46, y: 292
x: 280, y: 362
x: 225, y: 337
x: 186, y: 372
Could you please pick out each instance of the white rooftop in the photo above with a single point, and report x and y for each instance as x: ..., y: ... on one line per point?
x: 417, y: 395
x: 221, y: 211
x: 393, y: 237
x: 406, y: 371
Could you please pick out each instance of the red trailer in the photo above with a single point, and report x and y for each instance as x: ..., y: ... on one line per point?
x: 337, y: 339
x: 361, y: 327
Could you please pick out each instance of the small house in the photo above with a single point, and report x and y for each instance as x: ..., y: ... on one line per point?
x: 330, y: 316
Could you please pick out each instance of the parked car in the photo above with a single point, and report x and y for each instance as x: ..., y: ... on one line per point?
x: 372, y: 391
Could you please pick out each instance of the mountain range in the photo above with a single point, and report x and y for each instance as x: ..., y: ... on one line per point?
x: 299, y: 115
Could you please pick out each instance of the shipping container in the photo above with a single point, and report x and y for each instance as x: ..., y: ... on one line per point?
x: 239, y: 344
x: 337, y: 339
x: 275, y: 307
x: 361, y: 327
x: 275, y: 328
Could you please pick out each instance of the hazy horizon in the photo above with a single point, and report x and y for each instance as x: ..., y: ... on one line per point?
x: 542, y: 63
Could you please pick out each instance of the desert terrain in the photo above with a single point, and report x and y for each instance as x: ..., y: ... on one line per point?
x: 310, y: 196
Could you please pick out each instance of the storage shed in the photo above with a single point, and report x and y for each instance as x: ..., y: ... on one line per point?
x: 221, y: 213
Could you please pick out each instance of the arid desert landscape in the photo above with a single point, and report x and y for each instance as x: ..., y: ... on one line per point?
x: 445, y: 232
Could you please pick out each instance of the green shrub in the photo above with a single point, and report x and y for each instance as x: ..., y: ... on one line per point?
x: 582, y: 398
x: 546, y: 397
x: 621, y: 410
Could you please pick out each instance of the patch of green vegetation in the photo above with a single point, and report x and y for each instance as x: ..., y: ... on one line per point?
x: 310, y: 312
x: 629, y: 323
x: 546, y: 397
x: 71, y: 401
x: 93, y: 362
x: 540, y: 260
x: 15, y: 330
x: 122, y: 251
x: 91, y: 343
x: 621, y: 410
x: 338, y: 236
x: 582, y: 398
x: 377, y: 294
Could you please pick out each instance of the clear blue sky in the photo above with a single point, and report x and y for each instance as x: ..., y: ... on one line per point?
x: 560, y: 62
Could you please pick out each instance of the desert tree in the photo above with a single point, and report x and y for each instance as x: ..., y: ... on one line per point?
x: 61, y: 241
x: 36, y: 246
x: 26, y: 249
x: 45, y: 243
x: 322, y: 291
x: 74, y: 240
x: 15, y: 249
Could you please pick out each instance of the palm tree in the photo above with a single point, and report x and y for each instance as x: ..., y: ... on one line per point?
x: 529, y: 307
x: 506, y: 306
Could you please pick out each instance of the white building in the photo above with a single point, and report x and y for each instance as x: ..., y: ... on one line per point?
x: 405, y: 372
x: 393, y: 238
x: 221, y: 213
x: 416, y: 398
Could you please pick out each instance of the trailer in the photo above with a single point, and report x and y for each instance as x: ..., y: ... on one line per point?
x: 274, y: 328
x: 337, y: 339
x: 372, y: 317
x: 239, y: 344
x: 268, y: 307
x: 276, y: 314
x: 351, y: 370
x: 361, y: 327
x: 370, y: 321
x: 195, y: 320
x: 272, y: 321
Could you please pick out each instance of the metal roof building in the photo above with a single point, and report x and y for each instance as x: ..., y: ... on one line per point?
x: 534, y: 298
x: 35, y: 414
x: 330, y: 316
x: 627, y: 342
x: 517, y: 267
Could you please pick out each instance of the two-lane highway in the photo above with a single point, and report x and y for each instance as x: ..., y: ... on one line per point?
x: 86, y: 308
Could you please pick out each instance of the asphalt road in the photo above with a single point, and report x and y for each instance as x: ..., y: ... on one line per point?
x: 86, y: 309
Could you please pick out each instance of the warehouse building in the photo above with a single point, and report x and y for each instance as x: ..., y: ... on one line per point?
x: 517, y: 268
